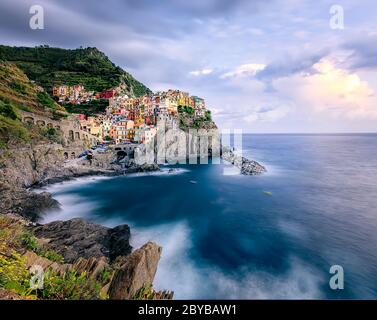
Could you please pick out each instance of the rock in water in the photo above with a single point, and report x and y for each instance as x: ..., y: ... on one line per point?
x: 135, y: 271
x: 28, y: 204
x: 77, y: 238
x: 246, y: 166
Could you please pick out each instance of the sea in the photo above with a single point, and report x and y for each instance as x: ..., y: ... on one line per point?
x: 291, y: 233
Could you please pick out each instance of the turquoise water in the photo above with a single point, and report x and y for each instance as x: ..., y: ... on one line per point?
x: 270, y: 236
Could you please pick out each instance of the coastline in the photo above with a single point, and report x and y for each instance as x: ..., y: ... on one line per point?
x: 26, y: 200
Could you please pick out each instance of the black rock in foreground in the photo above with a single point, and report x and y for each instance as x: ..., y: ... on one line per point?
x: 78, y: 238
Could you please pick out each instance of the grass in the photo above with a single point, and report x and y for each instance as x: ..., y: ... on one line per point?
x: 15, y: 276
x: 30, y: 242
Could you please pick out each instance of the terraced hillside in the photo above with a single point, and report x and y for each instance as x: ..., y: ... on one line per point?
x: 87, y: 66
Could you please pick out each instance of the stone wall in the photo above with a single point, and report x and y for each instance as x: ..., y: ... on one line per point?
x: 69, y: 128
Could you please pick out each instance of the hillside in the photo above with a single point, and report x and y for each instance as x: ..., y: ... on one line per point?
x: 87, y: 66
x: 17, y: 93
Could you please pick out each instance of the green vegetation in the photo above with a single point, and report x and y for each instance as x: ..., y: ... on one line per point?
x: 15, y: 275
x: 12, y: 131
x: 18, y: 93
x: 45, y: 100
x: 208, y: 115
x: 19, y: 87
x: 186, y: 109
x: 106, y: 275
x: 6, y: 110
x: 88, y: 66
x: 30, y: 242
x: 18, y: 90
x: 145, y: 293
x: 70, y: 286
x: 89, y: 109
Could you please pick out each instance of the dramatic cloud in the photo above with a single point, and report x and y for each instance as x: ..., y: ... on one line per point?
x: 335, y: 92
x: 259, y: 63
x: 290, y: 65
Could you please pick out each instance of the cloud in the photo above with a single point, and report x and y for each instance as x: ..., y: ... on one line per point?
x: 290, y: 65
x: 269, y: 113
x: 338, y: 92
x: 202, y: 72
x: 244, y: 70
x: 363, y: 52
x: 246, y: 55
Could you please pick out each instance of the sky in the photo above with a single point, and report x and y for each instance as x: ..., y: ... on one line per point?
x: 263, y: 66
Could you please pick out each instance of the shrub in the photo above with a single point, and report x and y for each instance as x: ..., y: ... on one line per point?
x: 208, y: 115
x: 19, y: 87
x: 145, y: 293
x: 30, y: 242
x: 14, y: 274
x: 70, y: 286
x: 45, y: 100
x: 7, y: 111
x: 106, y: 275
x: 51, y: 255
x: 11, y: 130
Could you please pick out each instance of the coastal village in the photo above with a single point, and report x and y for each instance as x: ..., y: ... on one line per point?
x: 54, y: 130
x: 130, y: 119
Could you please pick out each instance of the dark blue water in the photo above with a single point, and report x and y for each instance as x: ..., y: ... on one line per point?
x: 225, y: 237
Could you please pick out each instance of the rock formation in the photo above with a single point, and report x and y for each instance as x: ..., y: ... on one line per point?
x: 78, y: 238
x: 135, y: 271
x: 246, y: 166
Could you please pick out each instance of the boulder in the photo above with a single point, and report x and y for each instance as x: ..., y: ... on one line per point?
x: 246, y: 166
x: 135, y: 271
x: 78, y: 238
x: 28, y: 204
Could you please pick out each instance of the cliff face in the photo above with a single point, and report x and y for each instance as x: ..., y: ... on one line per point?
x: 24, y: 167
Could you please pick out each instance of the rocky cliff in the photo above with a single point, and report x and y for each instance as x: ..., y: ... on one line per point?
x: 80, y: 260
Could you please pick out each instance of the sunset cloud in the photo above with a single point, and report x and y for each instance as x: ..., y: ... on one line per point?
x: 333, y: 91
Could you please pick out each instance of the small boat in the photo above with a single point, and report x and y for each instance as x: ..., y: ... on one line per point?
x: 193, y: 181
x: 267, y: 193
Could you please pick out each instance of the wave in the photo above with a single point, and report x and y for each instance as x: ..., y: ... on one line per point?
x: 162, y: 172
x: 177, y: 271
x: 71, y: 206
x: 66, y: 185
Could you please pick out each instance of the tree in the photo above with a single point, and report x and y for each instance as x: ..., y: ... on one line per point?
x: 208, y: 115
